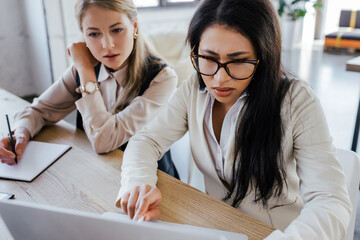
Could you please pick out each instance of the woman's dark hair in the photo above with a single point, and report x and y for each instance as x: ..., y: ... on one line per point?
x: 258, y: 160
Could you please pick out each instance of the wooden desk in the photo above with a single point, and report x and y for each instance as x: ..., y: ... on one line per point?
x: 85, y: 181
x: 354, y: 65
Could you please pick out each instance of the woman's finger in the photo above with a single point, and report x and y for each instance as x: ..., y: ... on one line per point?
x: 142, y: 191
x: 132, y: 202
x: 20, y: 146
x: 6, y: 154
x: 124, y: 202
x: 149, y: 205
x: 5, y: 143
x: 152, y: 214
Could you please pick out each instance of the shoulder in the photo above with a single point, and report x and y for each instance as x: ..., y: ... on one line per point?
x: 301, y: 104
x: 191, y: 84
x: 166, y: 74
x: 189, y: 89
x: 299, y: 90
x: 166, y: 78
x: 299, y: 94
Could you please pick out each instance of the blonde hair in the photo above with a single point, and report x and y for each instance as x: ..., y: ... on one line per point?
x: 139, y: 59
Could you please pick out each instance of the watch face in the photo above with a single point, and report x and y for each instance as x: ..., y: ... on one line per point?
x: 90, y: 87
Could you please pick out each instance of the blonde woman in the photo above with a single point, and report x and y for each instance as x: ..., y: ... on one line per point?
x: 121, y: 83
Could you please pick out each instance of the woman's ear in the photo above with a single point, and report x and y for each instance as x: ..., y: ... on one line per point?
x: 135, y: 26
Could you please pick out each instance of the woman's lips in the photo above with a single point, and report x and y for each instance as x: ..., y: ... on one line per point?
x: 111, y: 56
x: 223, y: 92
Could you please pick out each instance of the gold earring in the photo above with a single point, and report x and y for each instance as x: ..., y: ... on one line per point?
x: 136, y: 35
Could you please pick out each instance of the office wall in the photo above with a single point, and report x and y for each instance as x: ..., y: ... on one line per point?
x: 14, y: 71
x: 24, y: 59
x: 39, y: 62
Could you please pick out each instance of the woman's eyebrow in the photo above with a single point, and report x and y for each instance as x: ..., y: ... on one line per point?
x: 234, y: 54
x: 111, y: 26
x: 210, y: 52
x: 92, y: 28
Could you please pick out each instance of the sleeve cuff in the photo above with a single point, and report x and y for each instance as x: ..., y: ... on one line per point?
x: 90, y: 104
x: 25, y: 124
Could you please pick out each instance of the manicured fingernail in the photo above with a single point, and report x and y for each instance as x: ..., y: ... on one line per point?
x: 140, y: 220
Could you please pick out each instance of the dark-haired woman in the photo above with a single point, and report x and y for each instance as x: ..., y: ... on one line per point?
x: 260, y: 139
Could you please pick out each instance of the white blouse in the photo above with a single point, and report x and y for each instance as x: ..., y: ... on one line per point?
x: 219, y: 150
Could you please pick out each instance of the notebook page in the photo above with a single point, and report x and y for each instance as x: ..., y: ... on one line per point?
x: 36, y: 158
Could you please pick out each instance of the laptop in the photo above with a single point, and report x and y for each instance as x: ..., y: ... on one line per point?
x: 33, y: 221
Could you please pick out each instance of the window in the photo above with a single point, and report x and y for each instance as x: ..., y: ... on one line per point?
x: 146, y: 3
x: 179, y: 1
x: 163, y: 3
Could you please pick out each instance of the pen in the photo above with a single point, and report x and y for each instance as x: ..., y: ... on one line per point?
x: 4, y: 195
x: 11, y: 138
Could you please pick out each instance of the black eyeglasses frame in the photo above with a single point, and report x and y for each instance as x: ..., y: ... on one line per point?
x: 223, y: 65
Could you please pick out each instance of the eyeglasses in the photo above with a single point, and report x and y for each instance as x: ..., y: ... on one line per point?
x: 239, y: 69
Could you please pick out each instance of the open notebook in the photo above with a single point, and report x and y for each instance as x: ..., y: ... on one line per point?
x: 32, y: 221
x: 36, y: 158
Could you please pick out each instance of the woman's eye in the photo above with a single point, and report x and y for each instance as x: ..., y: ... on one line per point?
x: 208, y: 58
x: 94, y: 34
x: 117, y: 30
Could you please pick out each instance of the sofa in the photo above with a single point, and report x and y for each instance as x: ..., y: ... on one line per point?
x: 348, y: 35
x: 172, y: 47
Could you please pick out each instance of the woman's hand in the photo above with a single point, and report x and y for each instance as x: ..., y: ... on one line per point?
x: 21, y: 138
x: 81, y: 56
x: 142, y: 201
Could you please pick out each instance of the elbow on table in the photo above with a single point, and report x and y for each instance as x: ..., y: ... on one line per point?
x: 100, y: 148
x: 105, y: 141
x: 100, y: 144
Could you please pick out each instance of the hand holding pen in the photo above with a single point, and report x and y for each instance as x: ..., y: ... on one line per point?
x: 12, y: 142
x: 9, y: 152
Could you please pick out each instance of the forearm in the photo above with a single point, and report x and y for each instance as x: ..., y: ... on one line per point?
x: 51, y: 106
x: 139, y: 165
x: 324, y: 219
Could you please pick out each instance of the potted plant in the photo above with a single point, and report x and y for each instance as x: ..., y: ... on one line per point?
x: 291, y: 11
x: 296, y: 8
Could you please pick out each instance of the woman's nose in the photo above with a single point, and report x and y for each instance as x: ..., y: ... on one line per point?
x: 107, y: 42
x: 222, y: 76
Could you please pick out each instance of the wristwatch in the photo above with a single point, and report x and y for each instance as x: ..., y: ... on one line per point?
x: 89, y: 87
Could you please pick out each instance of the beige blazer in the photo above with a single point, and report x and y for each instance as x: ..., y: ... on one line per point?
x: 106, y: 131
x: 315, y: 204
